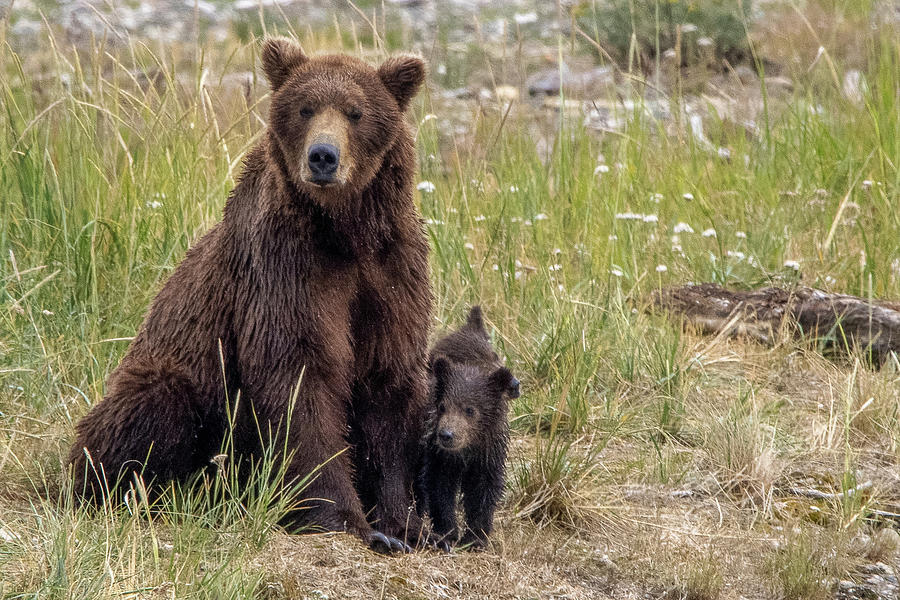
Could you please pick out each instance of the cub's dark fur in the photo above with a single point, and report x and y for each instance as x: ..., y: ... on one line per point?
x: 467, y: 433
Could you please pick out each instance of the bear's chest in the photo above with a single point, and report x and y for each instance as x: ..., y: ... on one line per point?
x: 384, y: 317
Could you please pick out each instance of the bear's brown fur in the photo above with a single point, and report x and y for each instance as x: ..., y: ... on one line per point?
x: 466, y: 437
x: 317, y: 276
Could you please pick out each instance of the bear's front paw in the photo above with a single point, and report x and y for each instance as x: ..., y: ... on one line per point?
x: 383, y: 544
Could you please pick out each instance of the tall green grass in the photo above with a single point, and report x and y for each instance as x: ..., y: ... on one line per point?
x: 113, y: 160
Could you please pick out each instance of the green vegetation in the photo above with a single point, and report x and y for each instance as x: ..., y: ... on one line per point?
x: 628, y: 28
x: 631, y: 434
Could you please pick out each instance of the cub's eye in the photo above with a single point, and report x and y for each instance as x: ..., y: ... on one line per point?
x: 470, y: 412
x: 441, y: 408
x: 306, y: 112
x: 354, y: 114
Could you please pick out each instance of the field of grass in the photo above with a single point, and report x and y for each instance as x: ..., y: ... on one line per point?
x: 646, y: 461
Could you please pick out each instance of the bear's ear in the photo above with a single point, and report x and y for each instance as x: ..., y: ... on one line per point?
x: 402, y: 76
x: 280, y: 56
x: 475, y: 320
x: 501, y: 380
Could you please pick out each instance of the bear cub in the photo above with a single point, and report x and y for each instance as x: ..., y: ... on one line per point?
x: 467, y: 434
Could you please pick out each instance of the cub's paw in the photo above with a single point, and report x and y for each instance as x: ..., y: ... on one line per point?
x: 472, y: 542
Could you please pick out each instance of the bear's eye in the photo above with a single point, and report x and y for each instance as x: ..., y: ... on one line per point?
x: 470, y: 412
x: 306, y: 112
x: 354, y: 114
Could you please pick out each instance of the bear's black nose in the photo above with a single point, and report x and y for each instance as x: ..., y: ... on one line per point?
x: 514, y: 388
x: 323, y: 161
x: 446, y: 436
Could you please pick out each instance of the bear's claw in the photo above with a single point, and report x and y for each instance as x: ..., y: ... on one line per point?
x: 386, y: 545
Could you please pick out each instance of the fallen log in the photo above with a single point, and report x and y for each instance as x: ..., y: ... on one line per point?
x: 839, y: 322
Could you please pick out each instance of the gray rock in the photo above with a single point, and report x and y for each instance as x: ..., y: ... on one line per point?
x: 549, y: 82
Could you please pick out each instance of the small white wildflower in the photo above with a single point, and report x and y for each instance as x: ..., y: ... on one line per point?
x: 515, y: 220
x: 619, y: 166
x: 480, y: 218
x: 661, y: 268
x: 495, y: 267
x: 525, y: 18
x: 792, y: 264
x: 709, y: 232
x: 469, y: 246
x: 519, y: 274
x: 629, y: 216
x: 561, y: 287
x: 46, y: 313
x: 541, y: 217
x: 441, y: 69
x: 556, y: 267
x: 613, y: 237
x: 735, y: 254
x: 676, y: 239
x: 616, y: 272
x: 528, y: 222
x: 740, y: 235
x: 682, y: 227
x: 518, y: 264
x: 657, y: 198
x: 867, y: 184
x: 154, y: 204
x: 829, y: 280
x: 651, y: 219
x: 454, y: 211
x: 688, y: 196
x: 426, y: 186
x: 600, y: 169
x: 433, y: 222
x: 513, y: 189
x: 677, y: 248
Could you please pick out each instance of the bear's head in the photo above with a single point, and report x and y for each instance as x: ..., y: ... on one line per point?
x: 471, y: 345
x: 334, y: 117
x: 468, y: 404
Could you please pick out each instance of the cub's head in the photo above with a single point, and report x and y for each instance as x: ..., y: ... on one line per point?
x: 335, y: 117
x: 471, y: 345
x: 469, y: 404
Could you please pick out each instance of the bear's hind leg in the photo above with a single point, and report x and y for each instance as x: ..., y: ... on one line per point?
x: 153, y: 423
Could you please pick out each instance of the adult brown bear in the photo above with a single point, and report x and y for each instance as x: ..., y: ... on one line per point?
x: 318, y: 272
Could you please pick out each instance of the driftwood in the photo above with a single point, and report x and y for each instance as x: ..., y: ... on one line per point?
x: 820, y: 495
x: 842, y: 323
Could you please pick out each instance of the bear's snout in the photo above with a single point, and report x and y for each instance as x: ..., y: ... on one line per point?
x: 323, y: 162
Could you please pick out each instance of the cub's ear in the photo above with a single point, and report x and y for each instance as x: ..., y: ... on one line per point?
x: 402, y: 76
x: 280, y: 56
x: 440, y: 368
x: 501, y: 380
x: 475, y: 320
